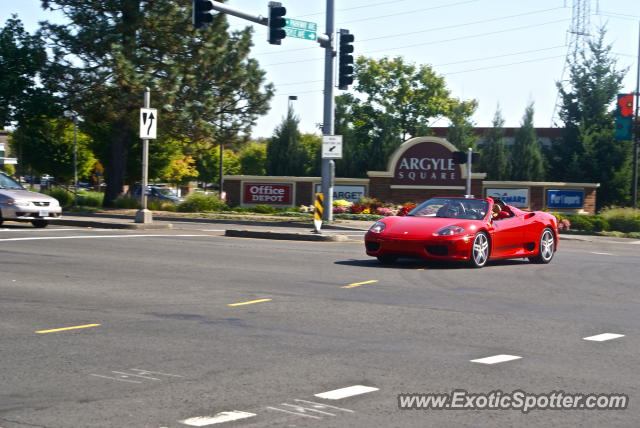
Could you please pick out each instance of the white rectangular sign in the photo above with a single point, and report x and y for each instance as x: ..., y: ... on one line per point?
x: 332, y: 147
x: 148, y: 123
x: 348, y: 193
x: 515, y: 197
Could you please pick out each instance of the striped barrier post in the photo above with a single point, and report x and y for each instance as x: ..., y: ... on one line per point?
x: 317, y: 213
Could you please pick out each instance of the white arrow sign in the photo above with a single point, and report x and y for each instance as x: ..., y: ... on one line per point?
x: 148, y: 123
x: 332, y: 147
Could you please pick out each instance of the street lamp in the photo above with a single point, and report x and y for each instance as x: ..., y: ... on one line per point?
x: 292, y: 98
x: 73, y: 115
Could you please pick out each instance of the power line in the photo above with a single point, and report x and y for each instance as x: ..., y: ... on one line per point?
x: 303, y: 82
x: 448, y: 27
x: 410, y: 12
x: 465, y: 71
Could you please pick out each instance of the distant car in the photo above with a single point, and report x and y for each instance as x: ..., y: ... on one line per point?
x: 159, y: 193
x: 464, y: 229
x: 19, y: 204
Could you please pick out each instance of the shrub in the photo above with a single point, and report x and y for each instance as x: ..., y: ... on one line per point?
x: 406, y: 208
x: 63, y: 196
x: 240, y: 210
x: 126, y: 202
x: 622, y: 219
x: 264, y: 209
x: 564, y: 224
x: 356, y: 209
x: 90, y: 199
x: 342, y: 203
x: 155, y: 205
x: 386, y: 211
x: 339, y: 209
x: 634, y: 235
x: 199, y: 202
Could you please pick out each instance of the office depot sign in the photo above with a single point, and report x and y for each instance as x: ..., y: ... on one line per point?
x: 267, y: 193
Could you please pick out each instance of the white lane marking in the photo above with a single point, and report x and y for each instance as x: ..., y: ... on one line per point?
x: 602, y: 337
x: 602, y: 254
x: 203, y: 421
x: 293, y: 413
x: 323, y: 406
x: 349, y: 391
x: 496, y: 359
x: 114, y: 378
x: 41, y: 238
x: 212, y: 230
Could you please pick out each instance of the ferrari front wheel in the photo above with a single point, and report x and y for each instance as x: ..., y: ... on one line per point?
x: 546, y: 247
x: 479, y: 250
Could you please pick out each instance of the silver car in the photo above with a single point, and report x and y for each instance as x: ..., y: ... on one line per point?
x: 19, y: 204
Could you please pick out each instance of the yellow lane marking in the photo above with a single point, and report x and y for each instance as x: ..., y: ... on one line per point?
x: 358, y: 284
x: 55, y: 330
x: 249, y: 303
x: 420, y: 269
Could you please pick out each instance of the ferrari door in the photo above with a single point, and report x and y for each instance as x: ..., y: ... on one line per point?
x: 507, y: 237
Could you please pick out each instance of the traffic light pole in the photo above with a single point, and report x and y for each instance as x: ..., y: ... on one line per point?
x: 328, y: 165
x: 469, y: 158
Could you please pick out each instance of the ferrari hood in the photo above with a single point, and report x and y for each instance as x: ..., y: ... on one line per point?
x: 417, y: 227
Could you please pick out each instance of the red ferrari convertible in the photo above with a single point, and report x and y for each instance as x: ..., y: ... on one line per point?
x: 473, y: 230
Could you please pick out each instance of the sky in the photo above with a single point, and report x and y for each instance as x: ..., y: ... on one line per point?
x: 505, y: 53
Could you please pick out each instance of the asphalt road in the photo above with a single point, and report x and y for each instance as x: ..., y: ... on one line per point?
x: 108, y: 328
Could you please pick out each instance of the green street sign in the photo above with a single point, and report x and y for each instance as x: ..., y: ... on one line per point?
x: 300, y: 29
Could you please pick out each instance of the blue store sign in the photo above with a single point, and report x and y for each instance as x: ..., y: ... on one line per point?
x: 565, y: 198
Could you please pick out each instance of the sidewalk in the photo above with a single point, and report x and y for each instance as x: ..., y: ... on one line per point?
x: 280, y: 228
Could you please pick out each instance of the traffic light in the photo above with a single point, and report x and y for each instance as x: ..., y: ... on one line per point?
x: 345, y: 60
x: 201, y: 13
x: 461, y: 157
x: 276, y: 22
x: 624, y: 117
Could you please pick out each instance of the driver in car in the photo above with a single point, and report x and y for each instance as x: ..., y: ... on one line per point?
x: 500, y: 210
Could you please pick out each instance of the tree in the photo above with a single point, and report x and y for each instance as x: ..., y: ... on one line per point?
x: 46, y: 145
x: 23, y: 59
x: 460, y: 132
x: 312, y: 146
x: 526, y: 159
x: 588, y: 151
x: 204, y: 82
x: 285, y: 155
x: 495, y: 157
x: 394, y: 100
x: 179, y: 170
x: 253, y: 159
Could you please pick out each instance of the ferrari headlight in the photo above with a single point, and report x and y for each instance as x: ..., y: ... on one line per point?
x: 378, y: 227
x: 449, y: 230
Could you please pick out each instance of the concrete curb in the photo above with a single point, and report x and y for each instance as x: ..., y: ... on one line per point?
x: 106, y: 225
x: 284, y: 236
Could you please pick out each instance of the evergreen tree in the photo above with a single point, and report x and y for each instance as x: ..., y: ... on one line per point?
x: 285, y: 155
x: 204, y: 83
x: 588, y: 151
x: 253, y: 159
x: 527, y: 163
x: 495, y: 156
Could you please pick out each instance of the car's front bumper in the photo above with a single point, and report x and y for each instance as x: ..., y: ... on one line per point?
x: 456, y: 247
x: 30, y: 212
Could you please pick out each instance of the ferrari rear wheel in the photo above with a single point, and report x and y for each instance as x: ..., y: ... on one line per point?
x: 546, y: 248
x: 479, y: 250
x: 387, y: 259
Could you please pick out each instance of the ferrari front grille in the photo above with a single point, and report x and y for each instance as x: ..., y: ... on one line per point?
x: 437, y: 250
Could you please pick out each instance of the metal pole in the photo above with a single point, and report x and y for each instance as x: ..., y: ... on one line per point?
x: 636, y: 141
x: 221, y: 171
x: 328, y: 165
x: 75, y: 159
x: 144, y: 215
x: 469, y: 157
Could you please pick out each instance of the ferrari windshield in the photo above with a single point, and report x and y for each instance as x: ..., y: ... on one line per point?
x: 471, y: 209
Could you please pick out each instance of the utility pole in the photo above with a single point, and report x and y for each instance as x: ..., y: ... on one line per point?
x: 636, y: 140
x: 328, y: 165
